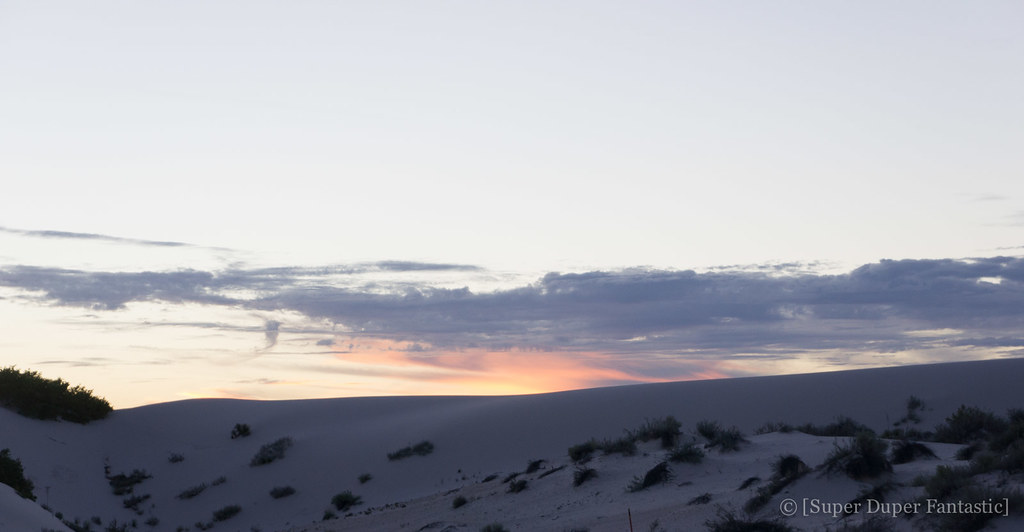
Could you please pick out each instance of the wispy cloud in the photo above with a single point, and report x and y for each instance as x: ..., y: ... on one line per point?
x: 979, y: 302
x: 90, y: 236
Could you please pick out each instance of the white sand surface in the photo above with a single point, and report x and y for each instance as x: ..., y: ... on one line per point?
x: 337, y: 440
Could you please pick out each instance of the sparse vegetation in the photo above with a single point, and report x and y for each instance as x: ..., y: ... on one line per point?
x: 422, y: 448
x: 459, y: 502
x: 583, y: 474
x: 13, y: 474
x: 133, y: 502
x: 689, y: 453
x: 365, y: 477
x: 176, y: 458
x: 123, y: 484
x: 345, y: 500
x: 240, y: 430
x: 656, y: 475
x: 192, y: 492
x: 700, y: 499
x: 863, y: 457
x: 785, y: 470
x: 517, y: 486
x: 581, y: 452
x: 494, y: 527
x: 30, y: 394
x: 968, y: 424
x: 842, y: 426
x: 226, y: 512
x: 279, y: 492
x: 664, y: 429
x: 534, y: 466
x: 271, y: 452
x: 907, y: 451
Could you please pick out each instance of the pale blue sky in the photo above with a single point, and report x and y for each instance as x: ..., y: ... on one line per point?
x: 520, y: 138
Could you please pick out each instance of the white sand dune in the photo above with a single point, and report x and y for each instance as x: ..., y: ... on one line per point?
x: 337, y: 440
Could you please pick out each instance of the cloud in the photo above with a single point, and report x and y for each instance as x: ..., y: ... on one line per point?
x: 717, y: 314
x: 89, y: 236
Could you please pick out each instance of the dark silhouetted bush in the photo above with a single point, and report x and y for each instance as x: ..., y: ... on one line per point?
x: 459, y: 502
x: 656, y: 475
x: 516, y: 486
x: 534, y: 466
x: 123, y: 484
x: 240, y: 430
x: 689, y: 453
x: 192, y: 492
x: 907, y: 451
x: 842, y: 426
x: 176, y: 458
x: 968, y: 424
x: 226, y: 512
x: 345, y: 500
x: 494, y: 527
x: 863, y: 457
x: 364, y: 478
x: 664, y: 429
x: 271, y: 452
x: 31, y: 395
x: 13, y: 474
x: 422, y: 448
x: 280, y: 492
x: 582, y: 451
x: 582, y: 475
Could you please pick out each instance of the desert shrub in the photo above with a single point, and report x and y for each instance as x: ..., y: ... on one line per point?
x: 708, y: 429
x: 789, y: 466
x: 114, y: 526
x: 13, y: 474
x: 30, y: 394
x: 665, y: 429
x: 516, y: 486
x: 785, y: 470
x: 583, y: 474
x: 842, y: 426
x: 968, y: 424
x: 226, y: 512
x: 133, y: 502
x: 422, y: 448
x: 152, y: 521
x: 271, y: 452
x: 1012, y: 435
x: 656, y: 475
x: 972, y: 494
x: 907, y: 451
x: 967, y: 452
x: 770, y: 427
x: 914, y: 404
x: 749, y: 482
x: 345, y: 500
x: 700, y: 499
x: 689, y: 453
x: 365, y: 477
x: 218, y: 481
x: 494, y: 527
x: 729, y: 440
x: 176, y: 458
x: 123, y: 484
x: 240, y: 430
x: 947, y: 481
x: 459, y: 502
x: 280, y: 492
x: 192, y: 492
x: 862, y: 457
x: 582, y: 451
x: 534, y: 465
x: 624, y: 446
x: 489, y: 478
x: 726, y: 521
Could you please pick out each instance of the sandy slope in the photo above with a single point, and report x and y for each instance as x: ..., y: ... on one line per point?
x: 337, y: 440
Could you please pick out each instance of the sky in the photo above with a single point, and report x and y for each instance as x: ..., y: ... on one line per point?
x: 277, y: 200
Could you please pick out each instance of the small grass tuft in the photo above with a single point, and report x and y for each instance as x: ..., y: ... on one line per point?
x: 656, y: 475
x: 345, y: 500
